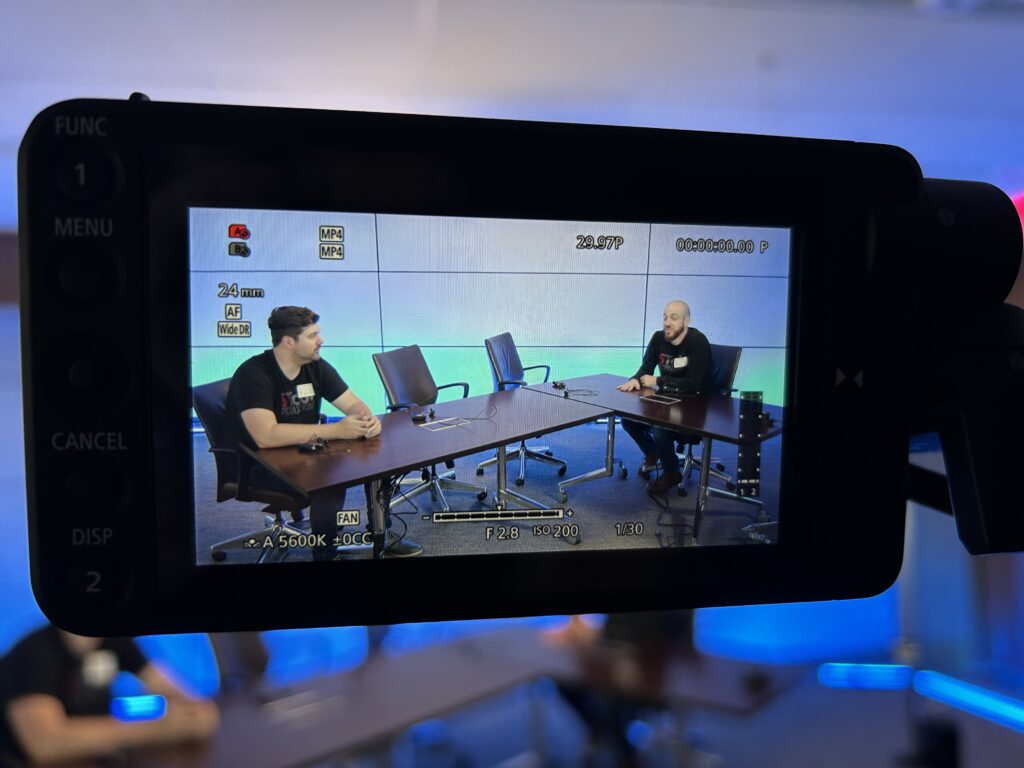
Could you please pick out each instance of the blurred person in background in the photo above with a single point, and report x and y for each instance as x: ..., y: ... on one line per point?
x: 55, y: 695
x: 623, y: 665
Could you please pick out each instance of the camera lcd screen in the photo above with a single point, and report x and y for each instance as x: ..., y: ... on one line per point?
x: 581, y: 297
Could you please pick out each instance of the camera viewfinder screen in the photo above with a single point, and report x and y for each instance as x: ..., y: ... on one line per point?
x: 633, y: 380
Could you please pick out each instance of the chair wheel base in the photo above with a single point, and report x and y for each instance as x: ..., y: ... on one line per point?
x: 481, y: 496
x: 479, y: 472
x: 520, y: 481
x: 561, y: 471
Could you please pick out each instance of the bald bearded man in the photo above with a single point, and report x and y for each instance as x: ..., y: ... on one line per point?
x: 682, y: 355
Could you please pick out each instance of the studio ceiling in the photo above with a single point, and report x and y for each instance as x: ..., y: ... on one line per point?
x: 945, y: 79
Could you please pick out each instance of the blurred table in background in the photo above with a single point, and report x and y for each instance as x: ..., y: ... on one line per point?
x: 366, y: 708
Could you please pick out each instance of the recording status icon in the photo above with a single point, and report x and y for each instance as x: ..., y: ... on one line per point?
x: 239, y: 249
x: 239, y: 231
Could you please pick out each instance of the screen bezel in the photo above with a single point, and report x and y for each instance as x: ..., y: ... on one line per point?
x: 428, y: 171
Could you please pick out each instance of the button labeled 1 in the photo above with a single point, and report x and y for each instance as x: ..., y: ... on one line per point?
x: 86, y: 173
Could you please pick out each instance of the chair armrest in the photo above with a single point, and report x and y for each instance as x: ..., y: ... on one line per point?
x: 504, y: 382
x: 547, y: 370
x: 402, y: 407
x: 463, y: 384
x: 247, y: 492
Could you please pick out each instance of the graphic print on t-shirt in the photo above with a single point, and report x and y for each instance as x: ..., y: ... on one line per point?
x: 292, y: 404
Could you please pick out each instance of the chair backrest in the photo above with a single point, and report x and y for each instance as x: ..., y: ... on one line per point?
x: 505, y: 362
x: 724, y: 362
x: 211, y: 403
x: 405, y: 376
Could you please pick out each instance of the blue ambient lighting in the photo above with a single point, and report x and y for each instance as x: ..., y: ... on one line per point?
x: 134, y: 709
x: 876, y: 677
x: 971, y: 699
x: 800, y: 633
x: 639, y: 733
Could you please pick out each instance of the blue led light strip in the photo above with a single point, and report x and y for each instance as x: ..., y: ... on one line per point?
x: 884, y: 677
x: 132, y: 709
x: 970, y: 698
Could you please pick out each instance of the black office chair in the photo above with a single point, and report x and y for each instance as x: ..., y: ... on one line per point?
x: 725, y: 361
x: 408, y: 384
x: 508, y: 372
x: 210, y: 402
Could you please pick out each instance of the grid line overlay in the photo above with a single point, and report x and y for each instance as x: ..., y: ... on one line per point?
x: 446, y: 283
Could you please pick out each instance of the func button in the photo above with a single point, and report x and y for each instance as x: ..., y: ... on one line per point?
x: 89, y: 277
x: 87, y: 173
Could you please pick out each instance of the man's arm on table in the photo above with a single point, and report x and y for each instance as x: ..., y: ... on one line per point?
x: 267, y: 432
x: 644, y: 377
x: 47, y: 734
x: 350, y: 404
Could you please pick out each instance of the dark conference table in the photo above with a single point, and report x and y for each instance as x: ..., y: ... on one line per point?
x: 492, y: 421
x: 311, y: 722
x: 364, y: 708
x: 712, y: 417
x: 458, y: 428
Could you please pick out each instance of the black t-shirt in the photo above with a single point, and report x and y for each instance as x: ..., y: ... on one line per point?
x: 685, y: 369
x: 259, y: 383
x: 42, y: 663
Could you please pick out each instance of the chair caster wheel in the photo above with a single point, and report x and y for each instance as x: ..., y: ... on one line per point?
x: 481, y: 496
x: 561, y: 471
x: 720, y: 466
x: 562, y: 497
x: 520, y: 481
x: 479, y: 472
x: 730, y: 486
x: 623, y: 473
x: 762, y: 517
x: 683, y: 492
x: 548, y: 453
x: 219, y: 556
x: 644, y: 473
x: 424, y: 475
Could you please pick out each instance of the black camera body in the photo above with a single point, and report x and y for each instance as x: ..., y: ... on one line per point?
x: 106, y: 192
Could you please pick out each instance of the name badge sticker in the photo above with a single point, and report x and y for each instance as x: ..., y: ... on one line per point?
x: 305, y: 390
x: 680, y: 362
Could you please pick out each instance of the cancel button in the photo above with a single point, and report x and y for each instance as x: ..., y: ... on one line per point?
x: 88, y: 441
